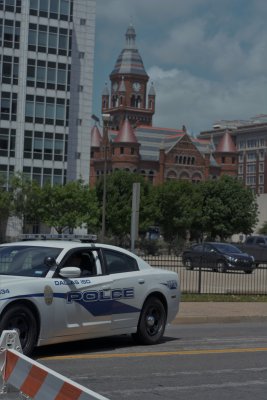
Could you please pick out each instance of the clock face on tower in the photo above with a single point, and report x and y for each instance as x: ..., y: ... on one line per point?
x: 136, y: 86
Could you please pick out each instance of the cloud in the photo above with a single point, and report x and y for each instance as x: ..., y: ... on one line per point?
x: 183, y: 99
x: 207, y: 58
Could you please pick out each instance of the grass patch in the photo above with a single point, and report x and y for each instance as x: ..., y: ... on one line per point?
x: 223, y: 297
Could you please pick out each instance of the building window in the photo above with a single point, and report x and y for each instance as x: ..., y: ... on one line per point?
x: 261, y: 155
x: 251, y: 156
x: 9, y: 33
x: 7, y: 142
x: 242, y: 144
x: 151, y: 176
x: 121, y: 150
x: 261, y: 179
x: 251, y: 168
x: 261, y: 167
x: 251, y: 143
x: 8, y: 106
x: 82, y: 21
x: 251, y: 180
x: 50, y: 40
x: 10, y: 70
x: 81, y: 55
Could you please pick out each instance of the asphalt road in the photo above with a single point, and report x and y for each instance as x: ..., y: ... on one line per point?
x: 196, y: 361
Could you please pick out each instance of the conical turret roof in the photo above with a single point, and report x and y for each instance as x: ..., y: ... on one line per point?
x: 129, y: 60
x: 226, y: 144
x: 96, y: 137
x: 126, y: 134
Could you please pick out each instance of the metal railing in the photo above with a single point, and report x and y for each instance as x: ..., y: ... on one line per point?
x: 205, y: 281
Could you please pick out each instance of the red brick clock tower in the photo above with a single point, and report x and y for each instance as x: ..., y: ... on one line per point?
x: 128, y: 96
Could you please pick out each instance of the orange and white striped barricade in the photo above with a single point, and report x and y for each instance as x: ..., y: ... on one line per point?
x: 33, y: 379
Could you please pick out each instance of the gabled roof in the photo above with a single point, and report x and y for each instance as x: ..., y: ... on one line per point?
x: 152, y: 139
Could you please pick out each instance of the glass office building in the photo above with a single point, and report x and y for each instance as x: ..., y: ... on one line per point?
x: 46, y: 75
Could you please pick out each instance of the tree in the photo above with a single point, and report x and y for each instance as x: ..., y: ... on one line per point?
x: 119, y: 203
x: 26, y: 201
x: 69, y: 206
x: 177, y: 202
x: 263, y: 229
x: 5, y: 209
x: 226, y: 207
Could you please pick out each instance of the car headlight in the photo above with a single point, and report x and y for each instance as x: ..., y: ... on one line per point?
x: 231, y: 259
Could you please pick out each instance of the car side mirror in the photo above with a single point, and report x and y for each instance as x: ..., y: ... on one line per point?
x: 70, y: 272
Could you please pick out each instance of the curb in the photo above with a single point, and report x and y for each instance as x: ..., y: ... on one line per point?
x: 183, y: 320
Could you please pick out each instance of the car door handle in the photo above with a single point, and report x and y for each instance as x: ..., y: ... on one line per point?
x: 106, y: 287
x: 141, y: 281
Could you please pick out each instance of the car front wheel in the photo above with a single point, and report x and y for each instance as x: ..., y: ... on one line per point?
x: 21, y: 319
x: 152, y: 322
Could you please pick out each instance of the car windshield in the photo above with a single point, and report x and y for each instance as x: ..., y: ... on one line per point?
x: 26, y: 260
x: 227, y: 248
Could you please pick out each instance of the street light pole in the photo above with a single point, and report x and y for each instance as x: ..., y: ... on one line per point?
x: 106, y: 119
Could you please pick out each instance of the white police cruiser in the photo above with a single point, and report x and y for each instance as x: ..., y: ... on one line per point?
x: 55, y: 291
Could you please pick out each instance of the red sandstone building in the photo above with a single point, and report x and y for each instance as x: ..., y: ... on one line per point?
x: 133, y: 144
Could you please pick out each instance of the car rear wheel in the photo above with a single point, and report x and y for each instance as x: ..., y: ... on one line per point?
x: 21, y: 319
x: 221, y: 266
x: 188, y: 264
x: 152, y: 322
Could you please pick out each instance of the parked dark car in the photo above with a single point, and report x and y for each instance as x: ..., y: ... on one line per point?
x: 256, y: 246
x: 219, y: 257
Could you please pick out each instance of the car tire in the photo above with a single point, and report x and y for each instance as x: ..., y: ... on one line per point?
x: 188, y: 264
x: 21, y: 319
x: 152, y: 322
x: 221, y: 266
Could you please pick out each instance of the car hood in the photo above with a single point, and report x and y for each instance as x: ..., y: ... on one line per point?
x: 239, y: 255
x: 11, y: 280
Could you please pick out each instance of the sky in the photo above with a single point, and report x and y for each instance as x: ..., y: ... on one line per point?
x: 207, y: 59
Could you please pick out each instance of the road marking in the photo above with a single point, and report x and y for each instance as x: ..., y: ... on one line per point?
x: 156, y: 354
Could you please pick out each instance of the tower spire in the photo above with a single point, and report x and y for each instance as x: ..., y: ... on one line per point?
x: 130, y: 37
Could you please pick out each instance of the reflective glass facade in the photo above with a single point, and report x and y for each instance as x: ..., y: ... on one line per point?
x: 41, y: 76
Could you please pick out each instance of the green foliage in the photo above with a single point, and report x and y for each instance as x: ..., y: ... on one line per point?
x: 263, y: 229
x: 5, y: 209
x: 226, y: 207
x: 119, y: 186
x: 69, y: 206
x: 177, y: 202
x: 26, y: 201
x: 214, y: 208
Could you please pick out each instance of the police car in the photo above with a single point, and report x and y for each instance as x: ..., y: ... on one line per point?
x: 54, y: 291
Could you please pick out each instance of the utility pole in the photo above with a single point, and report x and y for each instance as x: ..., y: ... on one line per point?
x: 106, y: 120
